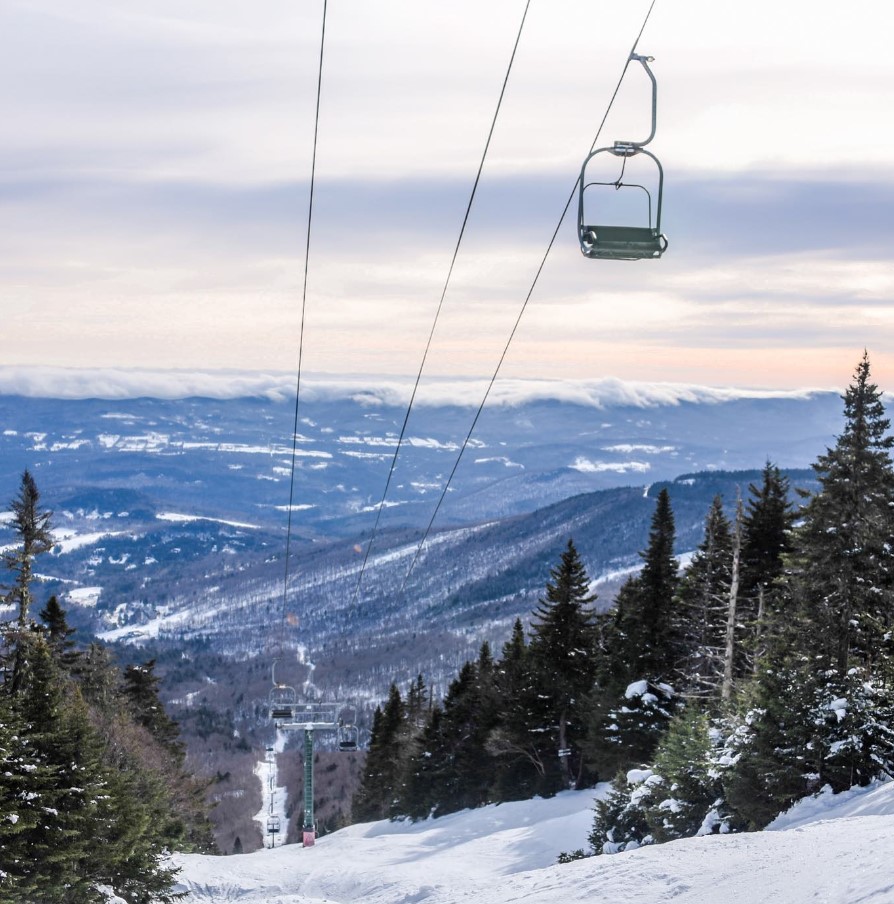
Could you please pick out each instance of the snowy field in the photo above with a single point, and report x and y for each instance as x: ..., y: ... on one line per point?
x: 830, y: 850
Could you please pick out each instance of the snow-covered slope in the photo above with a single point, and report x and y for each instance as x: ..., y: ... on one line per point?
x: 834, y: 850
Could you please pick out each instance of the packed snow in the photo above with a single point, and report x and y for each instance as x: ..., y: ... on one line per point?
x: 831, y: 849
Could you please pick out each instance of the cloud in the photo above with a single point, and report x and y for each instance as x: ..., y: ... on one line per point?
x: 117, y: 384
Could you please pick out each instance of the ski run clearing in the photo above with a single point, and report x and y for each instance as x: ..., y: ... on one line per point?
x: 826, y: 850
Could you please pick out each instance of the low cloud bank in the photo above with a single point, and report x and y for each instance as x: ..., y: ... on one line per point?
x: 121, y: 384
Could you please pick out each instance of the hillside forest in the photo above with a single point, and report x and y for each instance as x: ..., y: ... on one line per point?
x: 712, y: 697
x: 94, y: 793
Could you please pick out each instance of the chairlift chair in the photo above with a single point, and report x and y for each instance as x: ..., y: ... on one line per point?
x: 347, y: 738
x: 627, y: 243
x: 282, y: 702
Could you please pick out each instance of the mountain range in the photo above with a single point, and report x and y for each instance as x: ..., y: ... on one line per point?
x: 171, y: 513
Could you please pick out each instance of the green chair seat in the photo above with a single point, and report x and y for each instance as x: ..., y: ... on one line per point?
x: 622, y: 243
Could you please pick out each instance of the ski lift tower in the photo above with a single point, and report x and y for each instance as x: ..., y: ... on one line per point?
x: 309, y: 718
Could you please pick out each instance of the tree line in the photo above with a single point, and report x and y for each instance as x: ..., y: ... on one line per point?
x: 94, y: 793
x: 713, y: 696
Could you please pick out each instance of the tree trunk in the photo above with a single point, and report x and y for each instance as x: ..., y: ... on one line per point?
x: 726, y: 690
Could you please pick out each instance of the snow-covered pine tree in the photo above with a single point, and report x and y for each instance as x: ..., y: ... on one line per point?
x: 678, y: 796
x: 634, y: 697
x: 829, y: 636
x: 700, y: 610
x: 25, y: 783
x: 98, y: 825
x: 620, y: 820
x: 689, y: 799
x: 843, y: 580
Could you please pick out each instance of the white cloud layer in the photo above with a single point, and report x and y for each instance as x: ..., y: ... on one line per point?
x: 118, y: 384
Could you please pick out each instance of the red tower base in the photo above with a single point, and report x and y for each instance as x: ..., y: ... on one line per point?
x: 310, y: 836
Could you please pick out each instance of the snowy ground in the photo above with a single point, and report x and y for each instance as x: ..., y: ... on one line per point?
x: 832, y: 850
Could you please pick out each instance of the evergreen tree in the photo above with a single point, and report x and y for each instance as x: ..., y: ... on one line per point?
x: 452, y: 770
x: 59, y: 634
x: 382, y: 772
x: 767, y: 535
x: 767, y: 530
x: 519, y: 766
x: 701, y: 607
x: 620, y: 821
x: 625, y: 728
x: 822, y: 701
x: 844, y: 557
x: 564, y: 653
x: 776, y: 758
x: 96, y: 827
x: 428, y: 778
x: 690, y: 791
x: 24, y: 781
x: 32, y: 527
x: 141, y: 691
x: 634, y: 697
x: 642, y: 641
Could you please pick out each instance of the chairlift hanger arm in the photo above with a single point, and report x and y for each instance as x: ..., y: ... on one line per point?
x: 638, y: 145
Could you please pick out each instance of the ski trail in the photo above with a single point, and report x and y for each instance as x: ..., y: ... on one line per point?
x: 272, y: 814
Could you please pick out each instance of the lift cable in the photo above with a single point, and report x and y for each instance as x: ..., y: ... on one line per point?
x: 462, y: 230
x: 549, y: 247
x: 310, y: 209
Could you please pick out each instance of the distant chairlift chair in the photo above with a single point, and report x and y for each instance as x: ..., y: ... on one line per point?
x: 282, y: 702
x: 347, y: 737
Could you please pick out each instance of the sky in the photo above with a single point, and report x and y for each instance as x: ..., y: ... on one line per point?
x: 155, y: 172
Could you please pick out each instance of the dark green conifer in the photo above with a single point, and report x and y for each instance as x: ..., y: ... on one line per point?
x: 642, y: 645
x: 767, y: 538
x: 31, y: 524
x: 32, y: 527
x: 452, y: 769
x: 519, y: 767
x: 383, y: 769
x: 59, y: 634
x: 141, y: 690
x: 825, y: 672
x: 620, y: 820
x: 564, y: 654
